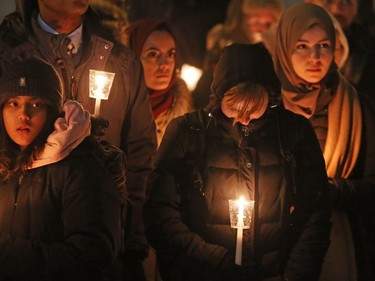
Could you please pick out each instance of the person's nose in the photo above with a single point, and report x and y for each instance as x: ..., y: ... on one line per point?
x: 315, y: 53
x: 245, y: 120
x: 24, y: 113
x: 164, y: 62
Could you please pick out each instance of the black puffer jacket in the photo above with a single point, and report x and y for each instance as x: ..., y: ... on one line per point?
x: 60, y: 222
x: 128, y: 109
x: 188, y: 223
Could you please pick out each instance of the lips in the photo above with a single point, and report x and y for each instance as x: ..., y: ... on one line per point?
x: 24, y: 129
x: 313, y: 69
x: 164, y: 75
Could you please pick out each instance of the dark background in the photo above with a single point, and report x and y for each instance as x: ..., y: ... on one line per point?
x: 190, y: 21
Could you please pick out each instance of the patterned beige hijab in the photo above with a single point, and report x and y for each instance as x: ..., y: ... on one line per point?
x: 344, y: 113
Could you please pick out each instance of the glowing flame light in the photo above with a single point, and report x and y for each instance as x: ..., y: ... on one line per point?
x: 100, y: 83
x: 191, y: 75
x: 240, y: 212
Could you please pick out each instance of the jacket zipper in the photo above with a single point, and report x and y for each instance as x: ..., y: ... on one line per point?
x: 15, y: 190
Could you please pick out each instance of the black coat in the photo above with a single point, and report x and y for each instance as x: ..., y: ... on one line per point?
x: 359, y: 68
x: 188, y: 224
x: 128, y: 110
x: 60, y: 222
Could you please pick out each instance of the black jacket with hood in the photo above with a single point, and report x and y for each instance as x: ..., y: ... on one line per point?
x: 128, y: 110
x: 204, y: 161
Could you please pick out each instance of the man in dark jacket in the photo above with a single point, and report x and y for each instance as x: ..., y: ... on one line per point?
x: 241, y: 144
x: 69, y: 36
x: 359, y: 68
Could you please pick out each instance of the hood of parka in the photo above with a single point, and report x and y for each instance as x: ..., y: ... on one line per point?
x: 245, y: 62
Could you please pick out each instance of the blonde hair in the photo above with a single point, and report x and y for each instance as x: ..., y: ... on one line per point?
x: 276, y: 6
x: 247, y: 98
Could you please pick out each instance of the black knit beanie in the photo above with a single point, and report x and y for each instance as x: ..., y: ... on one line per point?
x: 245, y: 63
x: 31, y: 77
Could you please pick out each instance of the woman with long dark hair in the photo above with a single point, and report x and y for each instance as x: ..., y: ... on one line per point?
x: 60, y: 211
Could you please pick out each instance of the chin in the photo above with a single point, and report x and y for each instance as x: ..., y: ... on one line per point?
x: 313, y: 78
x: 159, y: 86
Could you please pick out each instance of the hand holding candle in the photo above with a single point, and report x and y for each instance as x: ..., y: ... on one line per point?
x: 240, y: 217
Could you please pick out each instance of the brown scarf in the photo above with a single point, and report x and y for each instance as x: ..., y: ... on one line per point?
x: 344, y: 113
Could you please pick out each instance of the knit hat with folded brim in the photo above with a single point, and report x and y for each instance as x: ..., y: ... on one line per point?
x: 31, y: 77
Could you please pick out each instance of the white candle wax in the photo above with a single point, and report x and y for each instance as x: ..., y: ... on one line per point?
x: 100, y: 81
x: 240, y: 226
x: 97, y: 106
x: 238, y: 259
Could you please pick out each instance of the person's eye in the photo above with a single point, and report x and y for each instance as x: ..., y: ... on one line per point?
x: 172, y: 54
x: 152, y: 54
x: 345, y: 3
x: 12, y: 104
x: 38, y: 104
x: 301, y: 46
x: 325, y: 45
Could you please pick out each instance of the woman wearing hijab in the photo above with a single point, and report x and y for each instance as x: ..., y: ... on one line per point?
x: 153, y: 42
x: 313, y: 87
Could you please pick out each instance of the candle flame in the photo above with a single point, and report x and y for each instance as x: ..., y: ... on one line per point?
x: 241, y: 202
x: 191, y: 75
x: 100, y: 83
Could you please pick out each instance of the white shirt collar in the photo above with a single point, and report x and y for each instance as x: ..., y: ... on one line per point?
x: 75, y: 36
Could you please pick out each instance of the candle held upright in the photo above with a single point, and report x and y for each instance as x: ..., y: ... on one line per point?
x: 240, y: 212
x: 100, y: 83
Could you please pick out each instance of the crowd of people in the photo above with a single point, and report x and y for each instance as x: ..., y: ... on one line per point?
x: 112, y: 169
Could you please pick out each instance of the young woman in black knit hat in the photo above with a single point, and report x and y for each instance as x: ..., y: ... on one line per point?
x: 59, y: 208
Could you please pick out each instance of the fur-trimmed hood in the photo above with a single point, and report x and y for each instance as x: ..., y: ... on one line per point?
x: 182, y: 103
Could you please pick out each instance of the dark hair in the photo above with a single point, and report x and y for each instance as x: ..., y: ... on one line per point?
x: 13, y: 161
x: 164, y: 26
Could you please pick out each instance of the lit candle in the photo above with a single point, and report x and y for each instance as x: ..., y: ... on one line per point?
x: 240, y: 212
x: 100, y: 82
x: 240, y: 226
x: 100, y: 86
x: 191, y: 75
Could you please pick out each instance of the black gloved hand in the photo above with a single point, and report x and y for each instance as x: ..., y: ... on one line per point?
x: 228, y: 270
x: 98, y: 125
x: 133, y: 269
x: 333, y: 191
x: 343, y: 193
